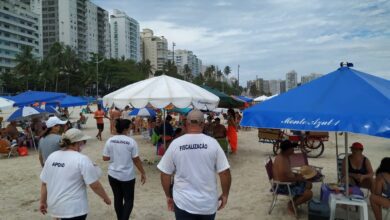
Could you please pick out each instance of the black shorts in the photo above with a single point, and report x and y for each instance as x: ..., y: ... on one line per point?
x: 100, y: 126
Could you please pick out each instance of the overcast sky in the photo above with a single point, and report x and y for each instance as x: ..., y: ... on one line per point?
x: 268, y: 38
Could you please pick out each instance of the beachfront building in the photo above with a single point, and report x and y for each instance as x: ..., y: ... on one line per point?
x: 125, y: 36
x: 186, y: 57
x: 259, y: 82
x: 310, y: 77
x: 266, y: 87
x: 19, y: 27
x: 274, y: 86
x: 154, y: 49
x: 282, y: 86
x: 79, y: 24
x: 291, y: 80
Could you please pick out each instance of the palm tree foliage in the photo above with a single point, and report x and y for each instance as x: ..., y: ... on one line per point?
x: 62, y: 70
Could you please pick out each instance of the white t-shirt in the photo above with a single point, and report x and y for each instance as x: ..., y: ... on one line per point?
x: 121, y: 149
x: 195, y: 159
x: 67, y: 174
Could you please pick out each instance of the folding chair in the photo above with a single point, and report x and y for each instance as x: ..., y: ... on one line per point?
x: 275, y: 185
x: 298, y: 160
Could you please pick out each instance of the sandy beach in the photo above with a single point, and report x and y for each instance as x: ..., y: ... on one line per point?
x: 249, y: 195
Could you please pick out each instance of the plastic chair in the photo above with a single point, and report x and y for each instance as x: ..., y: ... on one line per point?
x: 275, y: 185
x: 298, y: 160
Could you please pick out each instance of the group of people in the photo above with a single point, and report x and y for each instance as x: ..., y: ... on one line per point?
x: 360, y: 173
x: 188, y: 171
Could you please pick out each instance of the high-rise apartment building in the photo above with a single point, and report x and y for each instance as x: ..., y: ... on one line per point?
x: 186, y: 57
x: 19, y: 27
x: 125, y: 36
x: 291, y: 80
x: 274, y: 86
x: 155, y: 49
x: 310, y: 77
x: 79, y: 24
x: 282, y: 86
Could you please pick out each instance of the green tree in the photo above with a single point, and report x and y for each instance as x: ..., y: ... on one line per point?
x: 187, y: 72
x: 227, y: 70
x: 145, y: 67
x: 26, y: 66
x: 253, y: 91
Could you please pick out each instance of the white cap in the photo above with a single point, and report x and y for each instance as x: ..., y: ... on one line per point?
x: 75, y: 135
x: 53, y: 121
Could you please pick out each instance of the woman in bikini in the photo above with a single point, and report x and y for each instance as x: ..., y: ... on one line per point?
x: 380, y: 198
x: 359, y: 168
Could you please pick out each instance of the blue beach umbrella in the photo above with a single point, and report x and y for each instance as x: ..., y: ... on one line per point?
x: 344, y: 100
x: 49, y: 109
x: 24, y: 113
x: 145, y: 112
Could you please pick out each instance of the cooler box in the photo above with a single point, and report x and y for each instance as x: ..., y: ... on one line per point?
x: 318, y: 210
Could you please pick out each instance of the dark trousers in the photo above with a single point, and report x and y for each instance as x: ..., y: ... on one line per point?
x: 81, y: 217
x: 183, y: 215
x: 123, y: 197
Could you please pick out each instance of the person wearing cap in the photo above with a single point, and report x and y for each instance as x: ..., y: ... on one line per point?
x: 194, y: 159
x: 359, y: 168
x: 122, y: 153
x: 300, y: 189
x: 65, y: 177
x: 51, y: 138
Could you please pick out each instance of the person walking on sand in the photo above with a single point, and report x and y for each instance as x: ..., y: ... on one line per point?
x: 232, y: 130
x: 50, y: 141
x: 122, y: 152
x: 300, y: 189
x: 65, y: 177
x: 115, y: 113
x: 99, y: 115
x: 194, y: 159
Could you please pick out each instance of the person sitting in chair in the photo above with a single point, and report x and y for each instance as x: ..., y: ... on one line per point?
x: 359, y: 168
x: 300, y: 189
x: 380, y: 197
x: 82, y: 120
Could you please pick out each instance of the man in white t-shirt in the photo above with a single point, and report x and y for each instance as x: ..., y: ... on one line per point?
x: 194, y: 159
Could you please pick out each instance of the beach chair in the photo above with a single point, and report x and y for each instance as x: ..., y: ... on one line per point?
x: 275, y: 185
x: 298, y: 160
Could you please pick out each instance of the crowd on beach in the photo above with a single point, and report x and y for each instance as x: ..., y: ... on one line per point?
x: 194, y: 154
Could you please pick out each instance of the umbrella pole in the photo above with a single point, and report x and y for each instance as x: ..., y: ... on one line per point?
x: 164, y: 121
x: 346, y: 163
x: 337, y: 157
x: 32, y: 138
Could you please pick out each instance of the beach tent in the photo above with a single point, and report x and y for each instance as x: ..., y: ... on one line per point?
x: 68, y: 101
x: 344, y: 100
x: 31, y: 97
x: 6, y: 103
x: 144, y: 112
x: 161, y: 91
x: 261, y: 98
x: 183, y: 111
x: 225, y: 100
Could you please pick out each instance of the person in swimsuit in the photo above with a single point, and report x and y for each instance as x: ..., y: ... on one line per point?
x: 359, y: 168
x: 380, y: 198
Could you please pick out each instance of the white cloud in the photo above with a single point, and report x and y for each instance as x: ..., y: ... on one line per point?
x: 270, y: 37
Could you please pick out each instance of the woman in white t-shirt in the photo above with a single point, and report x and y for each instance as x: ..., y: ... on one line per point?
x: 65, y: 177
x: 122, y: 152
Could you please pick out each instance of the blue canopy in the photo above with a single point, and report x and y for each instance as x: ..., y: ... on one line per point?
x: 31, y: 97
x: 183, y: 111
x: 344, y: 100
x: 244, y: 98
x: 68, y: 101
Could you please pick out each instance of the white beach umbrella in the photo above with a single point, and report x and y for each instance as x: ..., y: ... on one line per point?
x: 6, y: 103
x: 261, y: 98
x: 160, y: 92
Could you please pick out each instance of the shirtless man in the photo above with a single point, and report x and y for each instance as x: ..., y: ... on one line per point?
x: 300, y: 189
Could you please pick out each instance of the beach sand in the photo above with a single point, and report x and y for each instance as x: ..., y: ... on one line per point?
x: 249, y: 195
